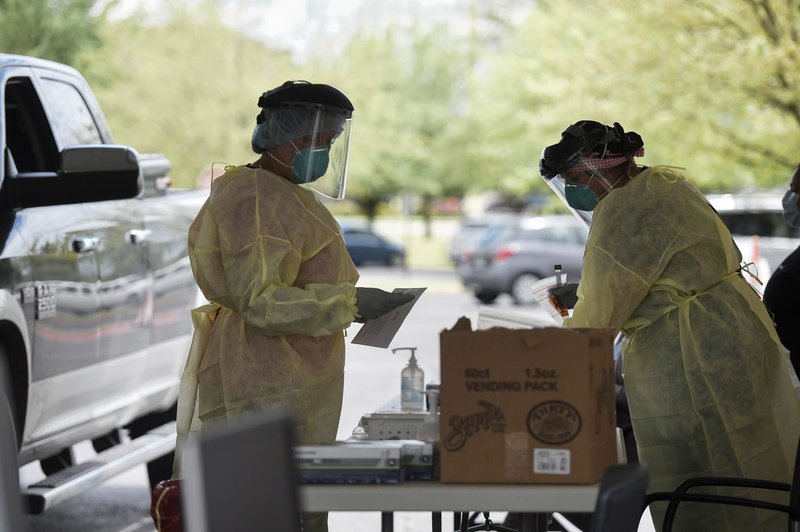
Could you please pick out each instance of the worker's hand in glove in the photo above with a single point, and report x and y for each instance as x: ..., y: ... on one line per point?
x: 566, y: 294
x: 374, y: 302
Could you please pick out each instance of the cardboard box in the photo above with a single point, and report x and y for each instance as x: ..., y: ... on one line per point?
x: 526, y: 406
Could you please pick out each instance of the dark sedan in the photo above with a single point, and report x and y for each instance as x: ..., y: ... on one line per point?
x: 367, y: 247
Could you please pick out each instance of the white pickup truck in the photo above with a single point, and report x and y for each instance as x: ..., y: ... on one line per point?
x: 95, y: 285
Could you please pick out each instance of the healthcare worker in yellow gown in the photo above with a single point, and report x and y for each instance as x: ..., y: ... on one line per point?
x: 271, y: 258
x: 707, y: 380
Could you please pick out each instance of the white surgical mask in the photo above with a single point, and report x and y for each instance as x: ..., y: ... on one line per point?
x: 791, y: 212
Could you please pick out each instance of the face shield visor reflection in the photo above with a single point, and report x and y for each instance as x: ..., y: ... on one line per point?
x: 321, y: 163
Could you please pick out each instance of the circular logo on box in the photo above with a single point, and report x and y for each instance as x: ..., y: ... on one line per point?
x: 554, y: 422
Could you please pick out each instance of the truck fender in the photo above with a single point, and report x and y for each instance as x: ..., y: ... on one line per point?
x: 15, y: 350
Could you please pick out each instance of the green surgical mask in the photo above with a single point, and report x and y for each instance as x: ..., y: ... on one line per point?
x: 309, y: 164
x: 580, y: 197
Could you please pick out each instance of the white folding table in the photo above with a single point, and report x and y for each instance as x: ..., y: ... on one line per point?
x: 435, y: 497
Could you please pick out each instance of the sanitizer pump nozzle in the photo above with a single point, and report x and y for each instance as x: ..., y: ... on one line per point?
x: 412, y: 383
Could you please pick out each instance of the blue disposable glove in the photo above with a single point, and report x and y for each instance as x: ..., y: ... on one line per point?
x: 373, y: 302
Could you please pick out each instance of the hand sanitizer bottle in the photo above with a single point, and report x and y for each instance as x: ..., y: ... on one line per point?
x: 412, y: 382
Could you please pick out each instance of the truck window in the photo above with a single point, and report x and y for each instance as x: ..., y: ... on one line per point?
x: 72, y: 120
x: 28, y: 136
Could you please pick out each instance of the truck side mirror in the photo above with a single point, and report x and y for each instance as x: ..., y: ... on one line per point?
x: 86, y: 173
x: 98, y: 158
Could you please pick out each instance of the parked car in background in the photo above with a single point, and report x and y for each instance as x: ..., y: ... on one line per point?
x: 471, y: 231
x: 511, y: 257
x: 756, y: 222
x: 367, y: 247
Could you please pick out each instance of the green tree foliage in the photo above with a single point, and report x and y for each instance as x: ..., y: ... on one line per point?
x: 743, y: 57
x: 185, y: 85
x: 407, y: 86
x: 52, y: 29
x: 711, y: 85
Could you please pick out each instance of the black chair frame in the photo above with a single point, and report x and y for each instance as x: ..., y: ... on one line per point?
x: 487, y: 524
x: 681, y: 493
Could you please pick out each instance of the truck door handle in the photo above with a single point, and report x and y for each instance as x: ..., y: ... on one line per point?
x: 84, y: 244
x: 137, y: 236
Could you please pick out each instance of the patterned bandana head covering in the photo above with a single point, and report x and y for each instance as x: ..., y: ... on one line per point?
x: 604, y: 161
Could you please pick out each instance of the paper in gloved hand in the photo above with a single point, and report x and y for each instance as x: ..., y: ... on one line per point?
x: 380, y: 331
x: 373, y: 302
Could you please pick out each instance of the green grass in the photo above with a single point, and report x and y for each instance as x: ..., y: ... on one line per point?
x: 427, y: 253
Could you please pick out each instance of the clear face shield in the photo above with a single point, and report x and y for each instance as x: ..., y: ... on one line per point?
x: 322, y: 164
x: 319, y: 135
x: 558, y: 185
x: 583, y: 181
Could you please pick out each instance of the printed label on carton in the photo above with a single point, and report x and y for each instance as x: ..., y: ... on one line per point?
x: 552, y: 461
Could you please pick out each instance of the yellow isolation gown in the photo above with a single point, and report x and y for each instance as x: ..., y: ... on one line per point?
x: 708, y: 383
